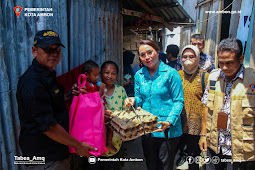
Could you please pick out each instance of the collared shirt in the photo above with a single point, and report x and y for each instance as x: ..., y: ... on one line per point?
x: 161, y: 95
x: 206, y: 62
x: 40, y: 105
x: 224, y: 141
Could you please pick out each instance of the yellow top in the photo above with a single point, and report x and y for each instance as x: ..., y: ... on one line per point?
x: 194, y: 108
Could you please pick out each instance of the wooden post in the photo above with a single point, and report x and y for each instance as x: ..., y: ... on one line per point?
x: 218, y: 34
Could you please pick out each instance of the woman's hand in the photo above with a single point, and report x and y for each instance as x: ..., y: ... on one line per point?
x: 108, y: 114
x: 129, y: 102
x: 202, y: 143
x: 164, y: 126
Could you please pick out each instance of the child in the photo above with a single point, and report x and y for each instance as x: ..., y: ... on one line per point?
x: 91, y: 70
x: 115, y: 96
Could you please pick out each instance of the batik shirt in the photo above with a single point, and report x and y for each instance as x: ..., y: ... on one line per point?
x: 224, y: 140
x: 193, y: 107
x: 206, y: 62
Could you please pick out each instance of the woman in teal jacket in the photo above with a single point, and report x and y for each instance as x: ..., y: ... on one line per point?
x: 158, y: 89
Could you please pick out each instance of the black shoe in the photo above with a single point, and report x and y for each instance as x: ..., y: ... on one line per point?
x: 181, y: 161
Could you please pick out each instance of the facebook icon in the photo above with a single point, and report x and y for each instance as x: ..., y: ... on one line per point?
x: 190, y: 160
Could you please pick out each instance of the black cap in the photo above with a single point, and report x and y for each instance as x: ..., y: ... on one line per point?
x: 46, y: 38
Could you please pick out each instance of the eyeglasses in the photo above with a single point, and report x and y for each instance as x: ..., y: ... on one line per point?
x: 49, y: 50
x: 149, y: 53
x: 197, y: 44
x: 188, y: 56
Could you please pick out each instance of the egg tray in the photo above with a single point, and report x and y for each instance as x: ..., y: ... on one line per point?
x: 130, y: 124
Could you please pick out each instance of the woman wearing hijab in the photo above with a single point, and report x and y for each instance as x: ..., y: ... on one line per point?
x: 194, y: 81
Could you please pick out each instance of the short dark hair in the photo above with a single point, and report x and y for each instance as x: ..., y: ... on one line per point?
x: 197, y: 37
x: 231, y: 45
x: 88, y: 66
x: 150, y: 43
x: 172, y: 49
x: 111, y: 63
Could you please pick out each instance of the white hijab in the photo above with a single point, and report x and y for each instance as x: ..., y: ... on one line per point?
x: 196, y: 62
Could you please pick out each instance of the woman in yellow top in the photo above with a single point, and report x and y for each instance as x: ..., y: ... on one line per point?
x: 194, y: 81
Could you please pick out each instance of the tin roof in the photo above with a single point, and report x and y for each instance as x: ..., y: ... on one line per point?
x: 170, y: 10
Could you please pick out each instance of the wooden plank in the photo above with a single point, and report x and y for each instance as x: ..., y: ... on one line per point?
x: 205, y: 19
x: 151, y: 11
x: 146, y: 7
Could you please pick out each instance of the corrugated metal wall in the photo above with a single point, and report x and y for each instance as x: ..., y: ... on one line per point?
x: 95, y: 31
x: 90, y: 29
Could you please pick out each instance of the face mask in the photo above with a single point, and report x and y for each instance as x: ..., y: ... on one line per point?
x: 190, y: 66
x: 188, y: 63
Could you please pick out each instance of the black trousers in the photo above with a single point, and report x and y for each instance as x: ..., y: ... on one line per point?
x: 188, y: 146
x: 159, y: 152
x: 227, y: 165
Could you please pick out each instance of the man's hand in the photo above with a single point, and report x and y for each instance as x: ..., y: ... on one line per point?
x: 83, y: 149
x: 202, y: 143
x: 129, y: 102
x: 82, y: 90
x: 60, y: 135
x: 76, y: 92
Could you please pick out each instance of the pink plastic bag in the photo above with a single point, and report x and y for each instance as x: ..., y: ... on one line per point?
x: 86, y: 120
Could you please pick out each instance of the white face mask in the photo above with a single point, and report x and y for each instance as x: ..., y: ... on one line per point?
x: 188, y: 63
x: 190, y: 66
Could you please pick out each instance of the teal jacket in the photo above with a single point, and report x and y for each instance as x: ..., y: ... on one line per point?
x: 161, y: 95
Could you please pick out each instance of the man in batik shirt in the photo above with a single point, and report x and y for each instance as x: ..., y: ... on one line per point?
x: 206, y: 61
x: 229, y: 97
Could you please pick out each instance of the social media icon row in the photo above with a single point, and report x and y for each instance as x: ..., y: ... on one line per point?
x: 207, y: 159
